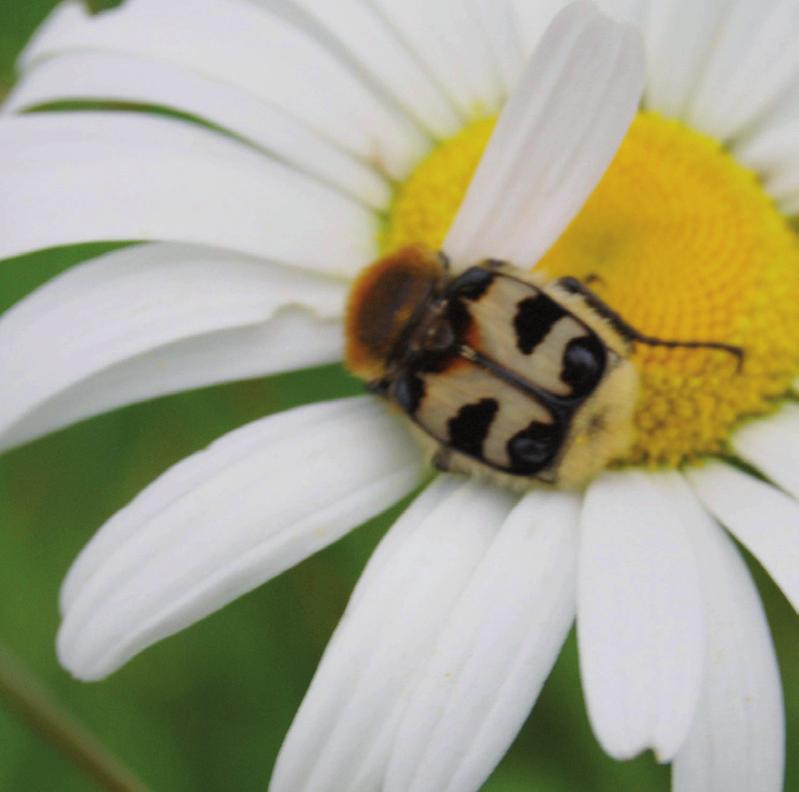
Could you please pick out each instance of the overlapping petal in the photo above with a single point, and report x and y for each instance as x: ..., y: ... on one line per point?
x: 736, y: 742
x: 109, y: 77
x: 227, y: 519
x: 774, y: 153
x: 446, y: 38
x: 494, y: 653
x: 679, y: 38
x: 752, y: 63
x: 772, y: 446
x: 763, y: 519
x: 555, y: 138
x: 155, y: 319
x: 253, y: 48
x: 533, y: 19
x: 640, y: 620
x: 499, y: 23
x: 76, y: 177
x: 384, y: 57
x: 635, y: 12
x: 344, y: 731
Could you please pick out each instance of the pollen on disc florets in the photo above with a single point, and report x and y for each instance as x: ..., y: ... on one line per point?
x: 681, y: 241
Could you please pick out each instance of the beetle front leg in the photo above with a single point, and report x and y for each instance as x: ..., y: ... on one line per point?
x: 442, y: 460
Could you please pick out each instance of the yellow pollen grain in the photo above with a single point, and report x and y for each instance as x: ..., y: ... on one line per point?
x: 682, y: 242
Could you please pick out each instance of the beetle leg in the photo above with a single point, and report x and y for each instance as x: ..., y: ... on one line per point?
x: 442, y: 459
x: 378, y: 387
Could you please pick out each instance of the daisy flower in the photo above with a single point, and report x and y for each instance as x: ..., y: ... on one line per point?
x: 656, y: 156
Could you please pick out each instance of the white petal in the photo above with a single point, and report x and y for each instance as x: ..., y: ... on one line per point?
x: 155, y: 319
x: 783, y: 111
x: 753, y: 63
x: 736, y: 743
x: 789, y: 203
x: 252, y: 48
x: 384, y: 57
x: 772, y: 445
x: 554, y: 140
x: 763, y: 519
x: 633, y: 12
x: 534, y: 17
x: 446, y: 38
x: 494, y: 653
x: 227, y: 519
x: 77, y: 177
x: 640, y: 624
x: 344, y: 730
x: 679, y: 36
x: 499, y: 23
x: 773, y: 152
x: 109, y: 77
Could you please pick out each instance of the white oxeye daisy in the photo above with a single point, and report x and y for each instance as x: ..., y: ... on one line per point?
x: 343, y: 131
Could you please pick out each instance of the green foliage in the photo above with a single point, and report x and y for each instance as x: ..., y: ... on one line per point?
x: 207, y: 709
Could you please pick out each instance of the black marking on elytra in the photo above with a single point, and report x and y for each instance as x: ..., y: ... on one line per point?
x: 472, y: 284
x: 584, y: 361
x: 533, y: 321
x: 458, y: 316
x: 408, y: 390
x: 534, y: 448
x: 469, y: 428
x: 561, y: 407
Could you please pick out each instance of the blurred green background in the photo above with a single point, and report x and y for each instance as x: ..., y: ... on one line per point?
x: 207, y: 709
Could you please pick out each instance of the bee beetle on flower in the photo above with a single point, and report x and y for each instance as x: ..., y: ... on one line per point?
x: 581, y: 223
x: 507, y: 373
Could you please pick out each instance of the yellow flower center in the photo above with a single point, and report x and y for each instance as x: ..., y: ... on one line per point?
x: 684, y: 244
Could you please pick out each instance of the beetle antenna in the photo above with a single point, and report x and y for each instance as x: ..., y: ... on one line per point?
x: 575, y: 286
